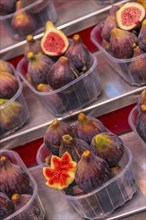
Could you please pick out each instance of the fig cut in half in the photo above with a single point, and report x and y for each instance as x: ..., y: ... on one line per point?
x: 54, y: 42
x: 130, y: 15
x: 61, y: 172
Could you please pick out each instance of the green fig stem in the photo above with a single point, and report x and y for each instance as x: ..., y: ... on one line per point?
x: 82, y: 118
x: 3, y: 158
x: 31, y: 56
x: 67, y: 138
x: 54, y: 123
x: 29, y: 38
x: 86, y: 153
x: 15, y: 197
x: 76, y: 38
x: 49, y: 24
x: 18, y: 5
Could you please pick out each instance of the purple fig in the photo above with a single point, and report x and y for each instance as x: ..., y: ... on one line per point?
x: 6, y: 206
x: 87, y: 127
x: 142, y: 36
x: 141, y: 125
x: 137, y: 67
x: 5, y: 67
x: 54, y: 133
x: 32, y: 45
x: 78, y: 54
x: 38, y: 67
x: 62, y: 72
x: 8, y: 85
x: 75, y: 147
x: 141, y: 102
x: 122, y: 43
x: 109, y: 147
x: 7, y: 7
x: 92, y: 172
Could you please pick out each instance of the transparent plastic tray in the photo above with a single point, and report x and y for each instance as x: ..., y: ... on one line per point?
x: 132, y: 122
x: 73, y: 96
x: 33, y: 209
x: 39, y: 11
x: 105, y: 2
x: 16, y: 122
x: 121, y: 66
x: 101, y: 202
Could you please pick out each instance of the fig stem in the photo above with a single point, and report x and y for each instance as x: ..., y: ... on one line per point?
x: 15, y: 197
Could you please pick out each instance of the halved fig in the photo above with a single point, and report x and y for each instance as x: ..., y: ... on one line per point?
x: 61, y: 172
x: 54, y: 42
x: 130, y: 15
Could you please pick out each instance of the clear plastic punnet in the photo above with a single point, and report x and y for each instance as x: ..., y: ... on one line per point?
x: 33, y: 209
x: 132, y: 122
x: 14, y: 113
x: 121, y: 66
x: 105, y: 2
x: 36, y: 14
x: 104, y: 200
x: 73, y: 96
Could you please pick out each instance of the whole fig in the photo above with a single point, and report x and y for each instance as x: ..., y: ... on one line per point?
x: 75, y: 147
x: 54, y: 133
x: 62, y: 72
x: 6, y: 206
x: 141, y: 125
x: 92, y: 172
x: 109, y: 147
x: 87, y: 127
x: 39, y: 66
x: 122, y: 43
x: 142, y: 36
x: 5, y: 67
x: 13, y: 179
x: 8, y: 85
x: 78, y: 54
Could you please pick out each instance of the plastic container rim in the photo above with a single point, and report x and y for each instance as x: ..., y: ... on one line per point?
x: 95, y: 62
x: 35, y: 187
x: 93, y: 37
x: 4, y: 17
x: 17, y: 94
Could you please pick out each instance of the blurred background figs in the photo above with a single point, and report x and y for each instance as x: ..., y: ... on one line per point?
x: 32, y: 45
x: 5, y: 67
x: 6, y: 206
x: 7, y: 7
x: 142, y: 35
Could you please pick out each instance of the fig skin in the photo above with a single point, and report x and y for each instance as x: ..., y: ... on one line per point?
x: 8, y: 85
x: 141, y: 101
x: 137, y: 68
x: 32, y: 45
x: 141, y: 125
x: 122, y: 43
x: 92, y: 172
x: 5, y: 67
x: 142, y: 36
x: 62, y: 73
x: 108, y: 146
x: 13, y: 179
x: 38, y: 67
x: 86, y: 127
x: 75, y: 147
x: 78, y: 54
x: 6, y: 206
x: 53, y: 135
x: 33, y: 212
x: 7, y: 7
x: 22, y: 23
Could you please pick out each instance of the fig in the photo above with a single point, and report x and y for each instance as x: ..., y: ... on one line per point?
x: 39, y: 66
x: 22, y: 23
x: 122, y: 43
x: 54, y: 133
x: 32, y: 45
x: 137, y: 67
x: 54, y: 42
x: 6, y: 206
x: 130, y: 15
x: 10, y: 115
x: 86, y: 127
x: 91, y: 172
x: 141, y: 125
x: 78, y: 54
x: 62, y: 72
x: 8, y: 86
x: 142, y: 36
x: 33, y: 211
x: 5, y: 67
x: 61, y: 172
x: 13, y: 179
x: 141, y: 102
x: 7, y: 7
x: 75, y: 147
x: 109, y: 147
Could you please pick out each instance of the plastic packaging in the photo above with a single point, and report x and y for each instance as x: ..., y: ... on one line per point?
x: 73, y: 96
x: 105, y: 2
x: 33, y: 209
x: 17, y: 121
x: 121, y: 66
x: 132, y: 122
x: 39, y: 11
x: 104, y: 200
